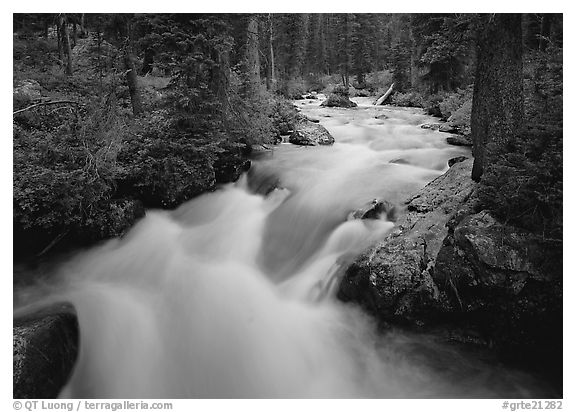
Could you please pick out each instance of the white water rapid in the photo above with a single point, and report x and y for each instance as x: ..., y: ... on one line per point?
x: 232, y: 295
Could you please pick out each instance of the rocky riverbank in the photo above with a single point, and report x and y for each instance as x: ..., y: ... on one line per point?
x: 45, y: 347
x: 450, y: 266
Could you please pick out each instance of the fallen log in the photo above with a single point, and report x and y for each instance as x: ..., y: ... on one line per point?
x: 69, y: 102
x: 385, y: 96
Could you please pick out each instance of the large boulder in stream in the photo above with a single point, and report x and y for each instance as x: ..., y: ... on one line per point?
x: 45, y: 347
x: 392, y: 279
x: 449, y: 266
x: 338, y: 100
x: 307, y: 133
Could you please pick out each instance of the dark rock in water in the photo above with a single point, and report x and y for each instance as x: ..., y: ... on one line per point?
x: 381, y: 117
x: 44, y: 353
x: 442, y: 127
x: 431, y: 126
x: 392, y: 279
x: 374, y: 210
x: 400, y: 161
x: 310, y: 134
x: 338, y: 100
x: 506, y: 282
x: 448, y: 128
x: 454, y: 160
x: 459, y: 140
x: 310, y: 96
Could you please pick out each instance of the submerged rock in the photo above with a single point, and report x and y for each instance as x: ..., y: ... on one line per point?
x: 45, y: 348
x: 307, y: 133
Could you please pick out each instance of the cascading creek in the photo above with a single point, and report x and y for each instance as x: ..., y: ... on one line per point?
x: 232, y: 294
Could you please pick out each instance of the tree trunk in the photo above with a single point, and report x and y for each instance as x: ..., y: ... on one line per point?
x: 414, y: 56
x: 82, y: 26
x: 271, y: 80
x: 74, y: 34
x: 46, y: 27
x: 60, y: 46
x: 132, y: 81
x: 68, y: 52
x: 66, y: 43
x: 530, y: 31
x: 497, y: 105
x: 544, y: 32
x: 148, y: 61
x: 252, y: 54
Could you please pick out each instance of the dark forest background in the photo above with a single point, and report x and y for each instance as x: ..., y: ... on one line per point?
x: 114, y: 113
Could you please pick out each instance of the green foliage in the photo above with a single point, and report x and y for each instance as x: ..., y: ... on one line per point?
x: 293, y: 88
x: 400, y: 65
x: 455, y: 107
x: 524, y: 186
x: 446, y: 41
x: 284, y: 117
x: 409, y: 99
x: 64, y: 169
x: 451, y: 102
x: 162, y: 167
x: 341, y: 91
x: 461, y: 118
x: 379, y: 82
x: 432, y: 104
x: 543, y: 85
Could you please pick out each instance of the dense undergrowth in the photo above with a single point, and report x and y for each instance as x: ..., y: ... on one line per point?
x: 85, y: 169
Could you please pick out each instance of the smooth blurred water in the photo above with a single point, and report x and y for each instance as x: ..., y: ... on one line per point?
x: 232, y: 294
